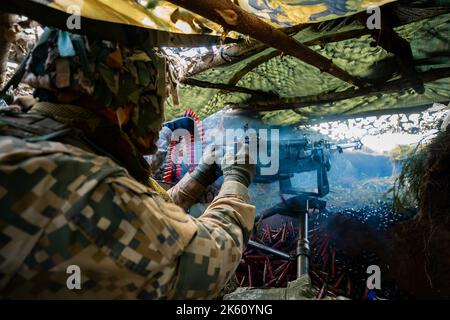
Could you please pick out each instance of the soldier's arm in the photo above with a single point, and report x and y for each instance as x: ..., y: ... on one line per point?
x: 186, y: 257
x: 186, y: 192
x: 211, y: 258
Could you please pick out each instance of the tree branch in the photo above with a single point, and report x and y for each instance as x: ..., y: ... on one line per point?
x: 226, y: 87
x: 321, y: 40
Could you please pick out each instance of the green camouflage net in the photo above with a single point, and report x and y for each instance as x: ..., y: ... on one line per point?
x: 289, y: 77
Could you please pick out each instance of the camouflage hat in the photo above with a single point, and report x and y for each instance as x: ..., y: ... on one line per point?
x: 115, y: 76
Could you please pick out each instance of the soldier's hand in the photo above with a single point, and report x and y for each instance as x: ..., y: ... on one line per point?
x: 240, y: 167
x: 208, y: 169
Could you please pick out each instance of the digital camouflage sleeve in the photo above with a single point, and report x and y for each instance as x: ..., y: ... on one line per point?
x: 62, y: 206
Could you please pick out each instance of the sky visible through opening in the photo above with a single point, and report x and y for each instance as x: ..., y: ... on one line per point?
x: 383, y: 134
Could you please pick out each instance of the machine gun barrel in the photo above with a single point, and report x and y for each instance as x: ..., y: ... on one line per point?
x: 356, y: 145
x: 301, y: 155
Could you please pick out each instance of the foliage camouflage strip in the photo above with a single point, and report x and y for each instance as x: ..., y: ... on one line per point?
x: 114, y: 76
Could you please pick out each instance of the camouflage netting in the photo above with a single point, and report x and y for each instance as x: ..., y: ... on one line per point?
x: 286, y: 76
x: 289, y: 77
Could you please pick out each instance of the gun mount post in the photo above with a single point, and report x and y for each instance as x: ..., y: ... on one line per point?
x: 270, y: 250
x: 303, y: 250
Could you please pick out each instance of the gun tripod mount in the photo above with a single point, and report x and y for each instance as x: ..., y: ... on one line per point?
x: 303, y: 249
x: 295, y: 207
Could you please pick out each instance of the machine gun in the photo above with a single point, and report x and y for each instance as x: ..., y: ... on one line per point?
x: 302, y: 155
x: 297, y: 156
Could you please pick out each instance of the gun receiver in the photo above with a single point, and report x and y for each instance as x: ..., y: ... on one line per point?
x: 302, y: 155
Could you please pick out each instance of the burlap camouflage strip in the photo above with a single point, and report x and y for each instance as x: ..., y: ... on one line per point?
x: 63, y: 206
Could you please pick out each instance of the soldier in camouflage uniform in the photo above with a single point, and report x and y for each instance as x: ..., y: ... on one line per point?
x: 75, y: 189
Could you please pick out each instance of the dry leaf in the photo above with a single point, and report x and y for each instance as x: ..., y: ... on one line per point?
x: 123, y: 114
x: 114, y: 59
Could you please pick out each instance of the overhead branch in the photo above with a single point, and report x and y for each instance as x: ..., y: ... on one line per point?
x: 319, y: 41
x: 233, y: 18
x: 225, y: 55
x: 226, y: 87
x: 326, y: 98
x: 232, y: 53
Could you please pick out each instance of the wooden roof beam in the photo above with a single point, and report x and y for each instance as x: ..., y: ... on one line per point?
x: 392, y: 42
x: 227, y: 88
x: 233, y: 18
x: 324, y: 98
x: 231, y: 53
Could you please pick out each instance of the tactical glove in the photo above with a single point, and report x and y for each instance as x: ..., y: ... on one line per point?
x: 207, y: 170
x: 239, y: 167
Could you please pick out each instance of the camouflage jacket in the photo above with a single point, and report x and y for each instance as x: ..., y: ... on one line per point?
x: 65, y: 206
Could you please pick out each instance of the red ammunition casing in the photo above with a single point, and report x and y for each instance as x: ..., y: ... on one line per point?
x: 365, y: 294
x: 283, y: 234
x: 277, y: 235
x: 265, y: 235
x: 254, y: 258
x: 264, y: 279
x: 333, y: 263
x: 319, y: 242
x: 236, y: 278
x: 322, y: 291
x: 349, y: 287
x: 269, y: 268
x: 331, y: 293
x: 325, y: 259
x: 278, y: 244
x: 281, y: 268
x: 324, y: 247
x: 291, y: 228
x: 271, y: 282
x: 269, y: 233
x: 250, y: 276
x: 338, y: 282
x: 242, y: 281
x: 316, y: 276
x: 283, y: 275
